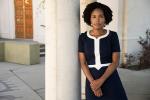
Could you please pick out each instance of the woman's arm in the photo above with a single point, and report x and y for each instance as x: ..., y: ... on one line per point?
x: 87, y: 73
x: 84, y: 67
x: 111, y: 68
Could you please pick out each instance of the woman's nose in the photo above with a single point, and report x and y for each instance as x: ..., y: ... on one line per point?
x: 97, y: 19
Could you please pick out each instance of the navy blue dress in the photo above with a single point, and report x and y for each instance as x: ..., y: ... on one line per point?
x: 98, y: 53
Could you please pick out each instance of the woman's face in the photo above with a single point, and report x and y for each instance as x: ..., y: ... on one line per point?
x: 97, y: 19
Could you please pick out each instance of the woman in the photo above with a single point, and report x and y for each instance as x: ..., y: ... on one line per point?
x: 99, y: 55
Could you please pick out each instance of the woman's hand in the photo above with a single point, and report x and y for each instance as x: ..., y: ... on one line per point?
x: 96, y: 84
x: 98, y: 92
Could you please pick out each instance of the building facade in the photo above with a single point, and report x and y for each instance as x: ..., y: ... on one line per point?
x: 58, y: 26
x: 22, y: 19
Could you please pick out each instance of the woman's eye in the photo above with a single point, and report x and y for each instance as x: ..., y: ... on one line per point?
x: 101, y: 16
x: 98, y: 16
x: 93, y: 16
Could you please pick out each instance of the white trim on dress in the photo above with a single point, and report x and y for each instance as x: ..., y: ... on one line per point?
x: 98, y: 64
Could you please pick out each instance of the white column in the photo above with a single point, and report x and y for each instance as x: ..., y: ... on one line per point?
x: 62, y: 68
x: 83, y: 27
x: 51, y: 50
x: 124, y: 30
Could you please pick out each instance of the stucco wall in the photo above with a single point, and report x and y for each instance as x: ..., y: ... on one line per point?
x: 138, y: 22
x: 38, y: 20
x: 7, y: 28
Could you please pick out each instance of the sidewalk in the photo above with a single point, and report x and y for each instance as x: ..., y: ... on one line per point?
x: 22, y: 82
x: 136, y: 83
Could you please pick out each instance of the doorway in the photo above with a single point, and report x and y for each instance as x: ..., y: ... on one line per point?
x: 23, y: 19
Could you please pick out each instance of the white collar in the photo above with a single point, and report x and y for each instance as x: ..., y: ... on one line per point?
x: 100, y: 37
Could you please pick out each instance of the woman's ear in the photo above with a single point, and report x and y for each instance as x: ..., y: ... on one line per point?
x: 104, y: 24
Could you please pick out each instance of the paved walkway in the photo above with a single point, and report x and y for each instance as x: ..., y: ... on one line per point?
x: 136, y: 83
x: 22, y: 82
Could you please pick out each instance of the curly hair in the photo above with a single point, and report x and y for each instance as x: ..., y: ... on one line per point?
x: 96, y: 5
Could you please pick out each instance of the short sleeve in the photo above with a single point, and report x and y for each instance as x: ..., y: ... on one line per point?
x: 80, y: 44
x: 115, y: 42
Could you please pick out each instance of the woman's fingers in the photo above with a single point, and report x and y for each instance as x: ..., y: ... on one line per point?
x: 94, y: 88
x: 98, y: 93
x: 95, y: 84
x: 101, y: 93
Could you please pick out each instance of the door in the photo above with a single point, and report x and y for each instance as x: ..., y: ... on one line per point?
x: 23, y: 19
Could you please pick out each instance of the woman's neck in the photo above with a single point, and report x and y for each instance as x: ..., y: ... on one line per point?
x: 98, y: 32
